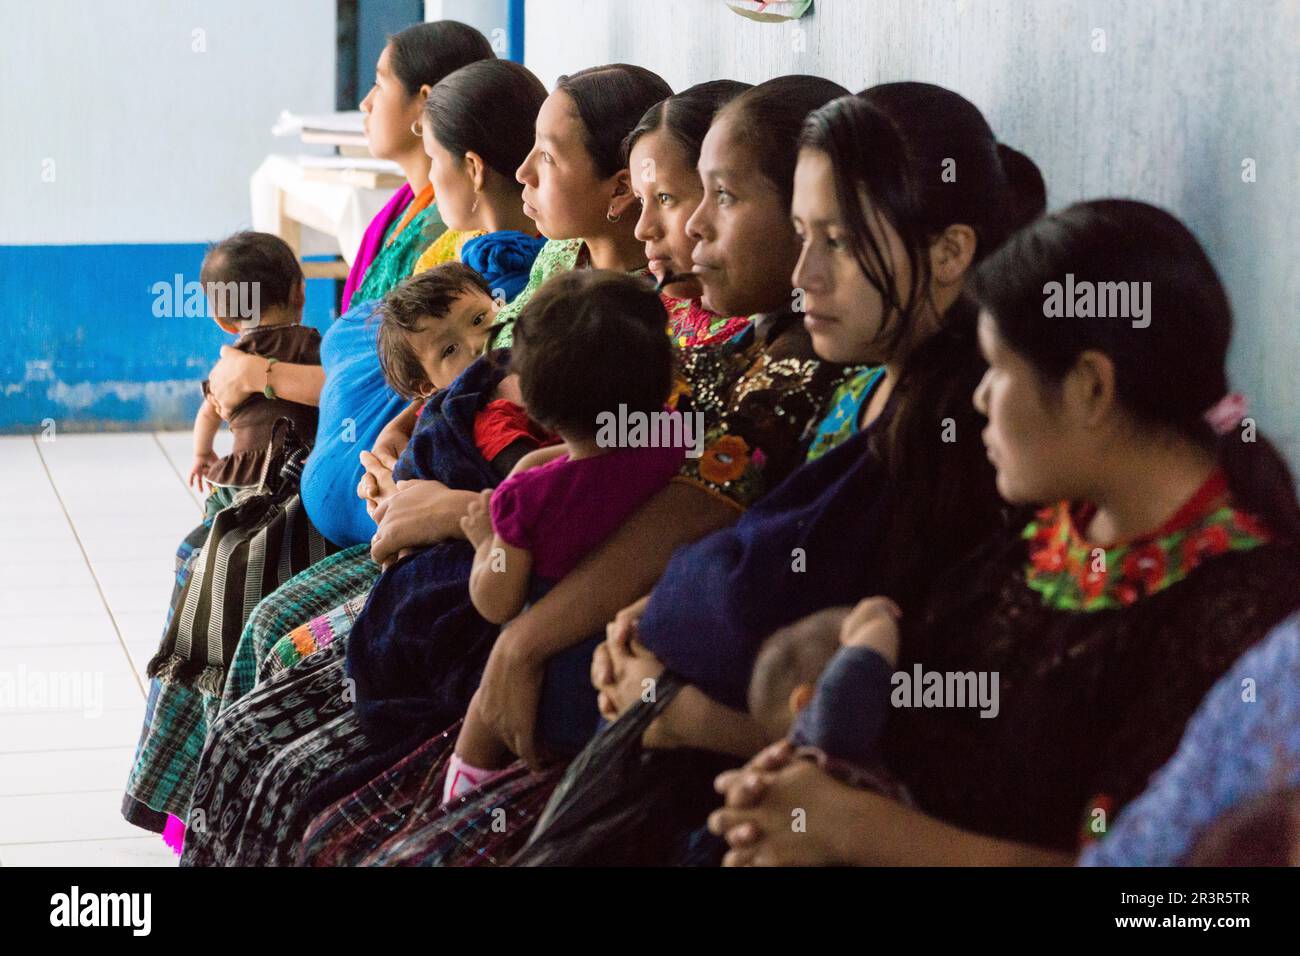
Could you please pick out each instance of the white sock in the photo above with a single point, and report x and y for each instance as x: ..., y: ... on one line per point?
x: 463, y: 777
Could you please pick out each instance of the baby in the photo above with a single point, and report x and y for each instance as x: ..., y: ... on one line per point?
x: 825, y: 680
x: 587, y: 343
x: 254, y: 287
x: 432, y: 328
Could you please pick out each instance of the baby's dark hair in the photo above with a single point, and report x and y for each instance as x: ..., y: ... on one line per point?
x: 792, y: 656
x: 587, y: 342
x: 427, y: 295
x: 254, y: 257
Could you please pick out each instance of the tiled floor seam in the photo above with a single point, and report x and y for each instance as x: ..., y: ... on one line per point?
x: 86, y: 557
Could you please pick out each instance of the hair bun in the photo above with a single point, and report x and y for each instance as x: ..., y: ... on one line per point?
x: 1026, y: 191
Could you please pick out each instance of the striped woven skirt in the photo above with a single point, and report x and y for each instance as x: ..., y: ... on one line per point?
x: 177, y: 717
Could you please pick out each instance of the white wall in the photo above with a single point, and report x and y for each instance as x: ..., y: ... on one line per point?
x: 150, y: 139
x: 1185, y: 90
x: 489, y: 17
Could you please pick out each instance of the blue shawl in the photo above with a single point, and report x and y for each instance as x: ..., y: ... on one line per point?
x: 805, y: 546
x: 356, y: 402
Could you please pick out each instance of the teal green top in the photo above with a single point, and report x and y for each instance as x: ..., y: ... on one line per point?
x: 844, y: 419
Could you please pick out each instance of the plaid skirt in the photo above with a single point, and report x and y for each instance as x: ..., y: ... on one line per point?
x: 156, y: 776
x: 177, y: 718
x: 318, y: 590
x: 396, y: 820
x: 317, y: 634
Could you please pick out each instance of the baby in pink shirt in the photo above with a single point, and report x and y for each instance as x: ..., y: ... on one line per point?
x: 590, y: 349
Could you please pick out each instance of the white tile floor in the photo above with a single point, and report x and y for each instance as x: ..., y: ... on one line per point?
x: 89, y: 525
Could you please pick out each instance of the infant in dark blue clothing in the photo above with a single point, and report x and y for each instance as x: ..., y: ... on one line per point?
x: 824, y: 682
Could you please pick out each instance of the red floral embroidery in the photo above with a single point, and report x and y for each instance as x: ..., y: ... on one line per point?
x: 1092, y: 582
x: 1247, y: 524
x: 1126, y: 593
x: 1205, y: 543
x: 1145, y: 565
x: 1050, y: 557
x: 1064, y: 568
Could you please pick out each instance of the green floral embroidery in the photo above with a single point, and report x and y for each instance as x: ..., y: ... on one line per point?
x: 558, y: 255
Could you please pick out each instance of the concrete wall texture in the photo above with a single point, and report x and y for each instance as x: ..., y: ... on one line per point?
x: 1164, y: 104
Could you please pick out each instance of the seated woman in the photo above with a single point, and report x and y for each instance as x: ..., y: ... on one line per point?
x: 425, y: 513
x: 1241, y: 745
x: 1171, y: 549
x: 471, y: 432
x: 354, y: 401
x: 474, y: 147
x: 840, y: 288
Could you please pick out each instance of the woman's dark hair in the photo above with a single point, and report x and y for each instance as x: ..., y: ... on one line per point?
x: 925, y: 158
x: 1170, y: 364
x: 610, y: 99
x: 426, y: 295
x: 686, y: 116
x: 427, y: 52
x: 587, y: 342
x: 254, y: 257
x: 489, y: 107
x: 769, y: 116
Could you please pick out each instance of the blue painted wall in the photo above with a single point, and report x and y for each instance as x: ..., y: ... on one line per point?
x: 80, y: 344
x: 377, y: 20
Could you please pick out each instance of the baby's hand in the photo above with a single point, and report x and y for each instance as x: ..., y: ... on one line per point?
x: 477, y: 520
x: 199, y: 470
x: 874, y: 624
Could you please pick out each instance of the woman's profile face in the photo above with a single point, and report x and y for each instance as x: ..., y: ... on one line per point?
x: 745, y: 248
x: 562, y: 192
x: 669, y: 190
x: 390, y: 111
x: 1039, y: 457
x: 843, y: 312
x: 451, y: 181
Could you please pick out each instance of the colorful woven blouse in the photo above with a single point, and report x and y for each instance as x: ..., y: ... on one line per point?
x: 446, y: 248
x: 1072, y: 574
x: 1096, y: 679
x: 759, y: 393
x: 690, y: 325
x: 844, y: 419
x: 406, y: 242
x: 558, y: 255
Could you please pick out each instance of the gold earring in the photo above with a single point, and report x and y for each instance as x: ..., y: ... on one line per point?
x: 417, y: 128
x: 613, y: 218
x: 475, y: 206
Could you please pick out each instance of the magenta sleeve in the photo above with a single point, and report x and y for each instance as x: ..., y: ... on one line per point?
x: 510, y: 513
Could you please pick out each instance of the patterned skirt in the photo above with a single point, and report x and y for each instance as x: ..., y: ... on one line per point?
x: 395, y: 819
x: 156, y: 776
x: 256, y: 751
x: 316, y: 635
x: 319, y: 590
x: 177, y: 718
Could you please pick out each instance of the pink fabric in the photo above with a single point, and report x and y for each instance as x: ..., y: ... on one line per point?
x: 373, y: 240
x: 174, y: 834
x: 564, y: 509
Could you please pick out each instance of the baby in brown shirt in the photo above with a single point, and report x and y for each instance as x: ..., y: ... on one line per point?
x: 254, y: 286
